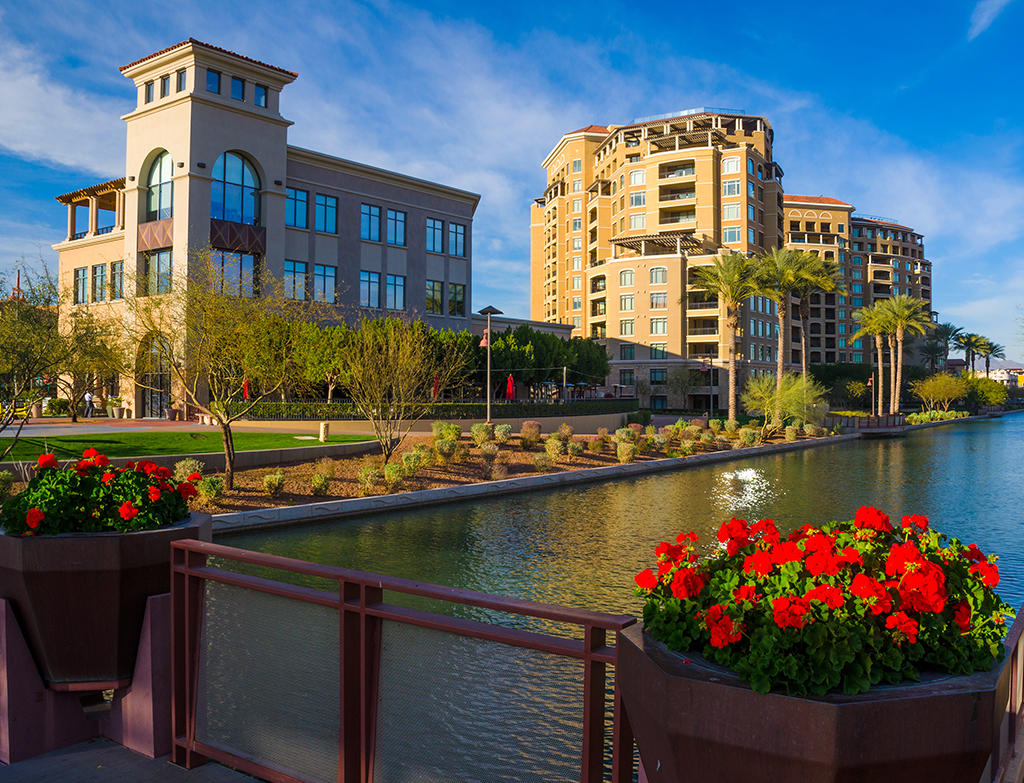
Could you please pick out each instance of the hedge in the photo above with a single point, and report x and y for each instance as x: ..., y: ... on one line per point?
x: 336, y: 411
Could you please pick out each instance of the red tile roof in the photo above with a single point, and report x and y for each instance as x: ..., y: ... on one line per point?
x: 208, y: 46
x: 876, y: 222
x: 815, y: 200
x: 590, y: 129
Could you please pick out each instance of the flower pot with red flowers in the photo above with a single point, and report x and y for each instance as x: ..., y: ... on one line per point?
x: 83, y: 548
x: 850, y: 651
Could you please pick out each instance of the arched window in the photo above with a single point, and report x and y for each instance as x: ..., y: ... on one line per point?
x: 659, y: 275
x: 235, y: 193
x: 626, y: 278
x: 160, y: 200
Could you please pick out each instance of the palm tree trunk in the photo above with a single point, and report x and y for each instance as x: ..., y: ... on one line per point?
x: 781, y: 351
x: 730, y: 326
x: 890, y: 343
x: 881, y: 373
x: 899, y: 368
x: 805, y: 316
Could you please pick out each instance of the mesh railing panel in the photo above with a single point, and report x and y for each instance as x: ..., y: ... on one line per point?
x: 454, y: 708
x: 268, y: 681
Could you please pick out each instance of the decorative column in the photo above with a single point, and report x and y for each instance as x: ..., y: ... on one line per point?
x: 94, y: 215
x: 71, y: 221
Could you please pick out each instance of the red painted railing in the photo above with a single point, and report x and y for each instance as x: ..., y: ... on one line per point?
x: 359, y: 603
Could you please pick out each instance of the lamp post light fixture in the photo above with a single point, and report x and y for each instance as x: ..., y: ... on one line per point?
x: 489, y: 311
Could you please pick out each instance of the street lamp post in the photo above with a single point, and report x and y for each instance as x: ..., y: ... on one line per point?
x: 489, y: 311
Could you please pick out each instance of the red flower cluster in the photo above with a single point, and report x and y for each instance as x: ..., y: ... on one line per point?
x: 688, y: 582
x: 34, y: 517
x: 988, y: 572
x: 922, y: 583
x: 831, y: 596
x: 789, y: 611
x: 46, y: 461
x: 872, y: 593
x: 723, y: 631
x: 872, y: 519
x: 903, y: 627
x: 735, y: 535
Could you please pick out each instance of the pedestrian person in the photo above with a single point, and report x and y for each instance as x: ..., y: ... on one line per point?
x: 87, y: 414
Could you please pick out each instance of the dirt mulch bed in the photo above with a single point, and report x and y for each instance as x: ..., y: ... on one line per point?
x: 249, y: 494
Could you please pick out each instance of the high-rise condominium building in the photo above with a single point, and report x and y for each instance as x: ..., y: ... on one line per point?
x: 208, y: 165
x: 627, y: 212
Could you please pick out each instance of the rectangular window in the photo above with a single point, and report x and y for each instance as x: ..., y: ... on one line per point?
x: 659, y: 326
x: 237, y: 88
x: 165, y: 86
x: 659, y: 301
x: 577, y: 205
x: 857, y: 288
x: 753, y: 327
x: 638, y: 221
x: 157, y: 269
x: 625, y: 302
x: 577, y: 224
x: 260, y: 96
x: 435, y: 297
x: 326, y: 219
x: 841, y: 342
x: 577, y: 185
x: 731, y: 211
x: 149, y: 92
x: 750, y: 213
x: 212, y: 81
x: 659, y: 376
x: 750, y: 165
x: 117, y: 280
x: 235, y: 272
x: 295, y: 280
x: 750, y: 189
x: 395, y: 293
x: 842, y: 328
x: 577, y: 166
x: 857, y: 261
x: 842, y: 314
x: 858, y: 358
x: 626, y: 327
x: 750, y: 235
x: 577, y: 321
x: 324, y: 278
x: 369, y: 223
x: 659, y: 275
x: 731, y: 187
x: 577, y: 303
x: 396, y: 228
x: 456, y: 240
x: 577, y: 263
x: 296, y: 208
x: 369, y: 289
x: 638, y: 199
x: 81, y: 290
x: 638, y: 177
x: 731, y: 234
x: 659, y: 350
x: 435, y: 236
x: 625, y: 377
x: 730, y: 165
x: 857, y: 274
x: 182, y: 81
x: 577, y: 243
x: 576, y: 282
x: 456, y: 299
x: 627, y: 352
x: 857, y: 301
x: 99, y: 283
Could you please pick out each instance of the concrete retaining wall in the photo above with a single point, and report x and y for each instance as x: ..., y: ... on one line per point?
x: 246, y: 521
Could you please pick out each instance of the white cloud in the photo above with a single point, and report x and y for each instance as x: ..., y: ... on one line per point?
x: 984, y: 14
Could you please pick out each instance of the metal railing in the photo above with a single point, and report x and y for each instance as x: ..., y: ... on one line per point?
x: 666, y: 221
x: 676, y: 173
x: 702, y: 305
x: 703, y: 330
x: 79, y: 235
x: 679, y: 197
x: 105, y: 230
x: 200, y: 680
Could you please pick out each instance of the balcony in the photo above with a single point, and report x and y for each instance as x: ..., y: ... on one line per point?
x: 598, y: 309
x: 703, y: 352
x: 598, y: 332
x: 701, y: 331
x: 700, y: 305
x: 683, y: 218
x: 686, y: 195
x: 598, y: 285
x: 685, y: 171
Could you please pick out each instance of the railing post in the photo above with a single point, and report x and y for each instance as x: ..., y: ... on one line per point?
x: 622, y: 730
x: 593, y: 708
x: 359, y: 659
x: 186, y: 613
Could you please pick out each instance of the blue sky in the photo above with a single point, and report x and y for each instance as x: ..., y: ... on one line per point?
x: 909, y: 110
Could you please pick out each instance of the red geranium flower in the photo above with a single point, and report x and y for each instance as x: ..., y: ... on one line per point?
x: 989, y: 572
x: 90, y: 453
x: 903, y: 627
x: 187, y: 491
x: 736, y: 533
x: 962, y: 616
x: 851, y: 555
x: 746, y: 593
x: 34, y: 517
x: 767, y: 530
x: 128, y: 511
x: 646, y: 580
x: 154, y: 494
x: 101, y: 460
x: 687, y: 583
x: 872, y: 593
x: 924, y: 588
x: 198, y: 477
x: 786, y: 552
x: 723, y: 631
x: 873, y: 519
x: 915, y: 520
x: 903, y: 558
x: 760, y: 563
x: 974, y: 555
x: 831, y: 596
x: 47, y: 461
x: 108, y: 477
x: 691, y: 536
x: 789, y: 611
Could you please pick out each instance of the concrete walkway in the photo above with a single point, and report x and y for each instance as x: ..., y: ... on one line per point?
x: 102, y: 761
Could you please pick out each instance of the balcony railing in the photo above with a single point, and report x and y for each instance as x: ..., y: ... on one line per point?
x: 676, y: 219
x: 597, y: 286
x: 679, y: 197
x: 289, y: 682
x: 712, y: 305
x: 676, y: 173
x: 79, y: 235
x: 703, y: 330
x: 104, y: 230
x: 701, y: 353
x: 598, y: 332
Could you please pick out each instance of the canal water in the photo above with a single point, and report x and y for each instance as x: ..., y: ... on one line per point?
x: 581, y: 546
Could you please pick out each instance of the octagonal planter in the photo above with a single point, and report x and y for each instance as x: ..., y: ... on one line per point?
x: 697, y: 722
x: 80, y: 598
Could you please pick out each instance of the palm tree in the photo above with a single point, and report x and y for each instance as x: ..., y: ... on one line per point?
x: 731, y: 279
x: 969, y: 343
x: 946, y: 335
x: 904, y: 314
x: 871, y: 321
x: 932, y: 352
x: 778, y: 275
x: 991, y: 351
x: 816, y: 274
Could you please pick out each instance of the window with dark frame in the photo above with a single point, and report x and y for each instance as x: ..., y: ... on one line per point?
x: 369, y: 223
x: 324, y: 278
x: 212, y: 81
x: 157, y: 270
x: 435, y: 297
x: 149, y: 92
x: 326, y: 214
x: 435, y: 236
x: 395, y: 293
x: 296, y: 208
x: 259, y: 96
x: 456, y: 299
x: 99, y: 283
x: 237, y: 273
x: 396, y: 228
x: 627, y: 352
x: 369, y: 289
x: 295, y: 280
x: 117, y: 280
x: 81, y: 289
x: 182, y: 80
x: 456, y: 240
x: 165, y: 86
x: 237, y: 88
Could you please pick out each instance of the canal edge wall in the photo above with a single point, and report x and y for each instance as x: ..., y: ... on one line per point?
x: 284, y: 516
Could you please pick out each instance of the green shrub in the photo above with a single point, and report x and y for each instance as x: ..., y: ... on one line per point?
x: 809, y: 429
x: 529, y: 435
x: 210, y: 489
x: 394, y: 475
x: 412, y: 462
x: 659, y: 442
x: 732, y: 426
x: 58, y: 406
x: 626, y: 452
x: 445, y: 450
x: 543, y: 462
x: 625, y: 435
x: 637, y: 428
x: 273, y: 483
x: 554, y: 447
x: 436, y: 428
x: 596, y: 444
x: 642, y: 417
x: 6, y: 484
x: 451, y: 431
x: 481, y: 433
x: 186, y: 467
x: 499, y: 472
x: 326, y: 467
x: 723, y: 442
x: 748, y: 436
x: 685, y: 449
x: 602, y: 433
x: 319, y: 484
x: 706, y: 437
x: 715, y: 425
x: 565, y: 432
x: 642, y: 445
x: 502, y: 434
x: 699, y: 423
x: 368, y: 476
x: 574, y: 449
x: 489, y: 452
x: 791, y: 433
x: 461, y: 453
x: 691, y: 433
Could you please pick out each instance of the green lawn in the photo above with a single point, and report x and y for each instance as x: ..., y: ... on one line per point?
x: 149, y: 444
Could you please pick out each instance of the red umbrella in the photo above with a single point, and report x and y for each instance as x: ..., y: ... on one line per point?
x: 245, y: 389
x: 510, y: 389
x: 437, y: 385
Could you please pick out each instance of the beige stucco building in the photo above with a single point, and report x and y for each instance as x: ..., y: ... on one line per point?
x: 208, y: 165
